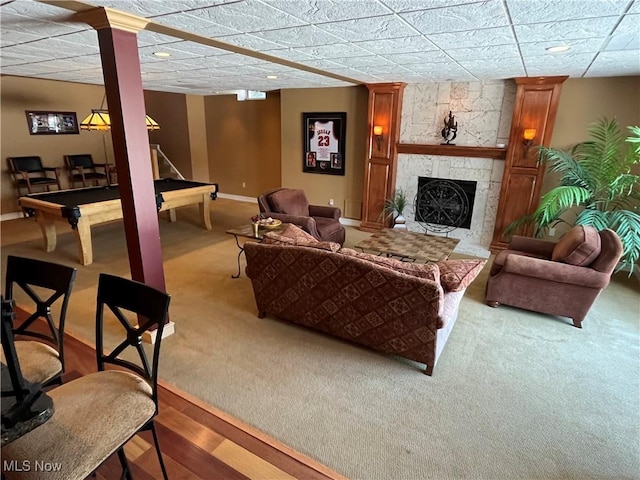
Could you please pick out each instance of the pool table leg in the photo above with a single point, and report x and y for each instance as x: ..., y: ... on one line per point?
x: 48, y: 227
x: 205, y: 211
x: 172, y: 215
x: 83, y: 237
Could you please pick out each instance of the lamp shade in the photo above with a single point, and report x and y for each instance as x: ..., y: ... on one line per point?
x: 529, y: 134
x: 99, y: 120
x: 377, y: 130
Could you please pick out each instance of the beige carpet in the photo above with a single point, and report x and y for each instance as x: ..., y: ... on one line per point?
x: 514, y: 395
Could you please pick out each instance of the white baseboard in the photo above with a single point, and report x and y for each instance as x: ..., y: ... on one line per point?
x: 11, y: 216
x: 238, y: 198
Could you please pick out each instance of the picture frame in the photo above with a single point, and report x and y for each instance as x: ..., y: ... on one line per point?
x: 324, y: 137
x: 52, y: 123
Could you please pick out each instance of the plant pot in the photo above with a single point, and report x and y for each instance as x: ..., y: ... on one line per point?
x: 399, y: 223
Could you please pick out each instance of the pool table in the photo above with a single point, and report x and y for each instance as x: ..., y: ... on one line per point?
x: 83, y: 207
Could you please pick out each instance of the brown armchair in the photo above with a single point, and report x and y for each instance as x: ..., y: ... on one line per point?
x: 562, y: 278
x: 291, y: 206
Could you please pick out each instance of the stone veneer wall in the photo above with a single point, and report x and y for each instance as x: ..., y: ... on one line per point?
x: 483, y: 111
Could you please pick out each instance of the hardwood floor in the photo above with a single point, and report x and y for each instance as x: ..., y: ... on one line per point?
x: 198, y: 441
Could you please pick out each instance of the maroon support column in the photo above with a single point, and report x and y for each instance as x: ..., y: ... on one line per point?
x: 123, y: 84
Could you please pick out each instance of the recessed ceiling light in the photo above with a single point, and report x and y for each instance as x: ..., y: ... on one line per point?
x: 559, y: 49
x: 162, y: 54
x: 272, y: 77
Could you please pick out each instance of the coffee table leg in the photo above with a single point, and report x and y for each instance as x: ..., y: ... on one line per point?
x: 241, y: 248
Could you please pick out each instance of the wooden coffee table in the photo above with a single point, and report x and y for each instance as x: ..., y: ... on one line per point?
x: 246, y: 232
x: 412, y: 246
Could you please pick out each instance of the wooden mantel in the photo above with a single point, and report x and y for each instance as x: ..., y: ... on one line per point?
x: 453, y: 150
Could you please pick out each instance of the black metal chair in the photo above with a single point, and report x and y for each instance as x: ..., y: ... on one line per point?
x: 28, y: 173
x: 39, y: 344
x: 97, y: 414
x: 83, y: 170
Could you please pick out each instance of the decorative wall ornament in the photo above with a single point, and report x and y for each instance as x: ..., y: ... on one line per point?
x: 449, y: 132
x: 324, y: 138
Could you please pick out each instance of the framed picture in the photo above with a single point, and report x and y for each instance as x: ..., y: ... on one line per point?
x: 52, y: 123
x: 323, y: 147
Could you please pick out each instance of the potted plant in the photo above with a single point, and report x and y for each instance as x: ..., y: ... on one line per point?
x: 394, y: 208
x: 595, y: 177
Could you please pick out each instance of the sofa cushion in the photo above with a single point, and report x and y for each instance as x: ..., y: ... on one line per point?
x: 580, y: 246
x: 429, y: 271
x: 291, y: 201
x: 456, y: 275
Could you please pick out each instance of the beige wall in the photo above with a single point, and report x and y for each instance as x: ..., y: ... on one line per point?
x: 170, y: 111
x: 198, y: 138
x: 243, y: 143
x: 346, y: 191
x: 18, y: 94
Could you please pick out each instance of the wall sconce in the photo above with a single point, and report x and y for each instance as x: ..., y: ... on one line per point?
x: 377, y: 132
x: 529, y: 134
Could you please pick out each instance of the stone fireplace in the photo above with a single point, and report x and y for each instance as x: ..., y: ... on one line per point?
x: 483, y: 111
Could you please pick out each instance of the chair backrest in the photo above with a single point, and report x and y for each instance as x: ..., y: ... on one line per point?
x: 292, y: 201
x: 610, y: 252
x: 151, y: 306
x: 48, y: 278
x: 263, y: 200
x: 84, y: 160
x: 26, y: 164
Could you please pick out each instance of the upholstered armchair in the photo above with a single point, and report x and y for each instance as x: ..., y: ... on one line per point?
x: 562, y: 278
x: 291, y: 206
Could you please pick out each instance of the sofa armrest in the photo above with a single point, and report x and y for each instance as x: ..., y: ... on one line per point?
x: 537, y: 246
x: 324, y: 211
x: 555, y: 271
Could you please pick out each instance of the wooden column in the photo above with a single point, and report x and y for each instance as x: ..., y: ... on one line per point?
x: 117, y: 34
x: 385, y: 108
x: 536, y: 107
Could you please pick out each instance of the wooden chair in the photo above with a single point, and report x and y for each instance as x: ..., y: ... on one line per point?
x: 95, y: 415
x: 28, y: 173
x: 41, y: 359
x: 82, y: 169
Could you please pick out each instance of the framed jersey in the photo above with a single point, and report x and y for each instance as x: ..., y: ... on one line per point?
x: 323, y: 149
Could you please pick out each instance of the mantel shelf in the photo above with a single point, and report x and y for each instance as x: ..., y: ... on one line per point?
x: 453, y: 150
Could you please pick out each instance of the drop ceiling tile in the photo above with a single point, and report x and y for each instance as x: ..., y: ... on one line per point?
x: 304, y: 36
x: 433, y: 56
x: 147, y: 53
x: 627, y: 41
x: 320, y: 11
x: 472, y: 38
x: 459, y: 18
x: 616, y: 63
x: 412, y: 5
x: 497, y: 73
x: 289, y: 54
x: 586, y: 45
x: 247, y: 16
x: 237, y: 59
x: 153, y: 8
x: 198, y: 48
x: 16, y: 38
x: 389, y: 46
x: 630, y: 24
x: 146, y: 37
x: 340, y: 50
x: 489, y: 53
x: 359, y: 62
x: 569, y: 30
x: 388, y: 26
x: 635, y: 7
x: 192, y: 23
x: 543, y: 11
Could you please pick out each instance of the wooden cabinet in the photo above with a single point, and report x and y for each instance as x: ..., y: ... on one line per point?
x: 535, y: 108
x: 385, y: 106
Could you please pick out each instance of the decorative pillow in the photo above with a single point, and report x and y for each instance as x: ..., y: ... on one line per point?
x: 579, y: 246
x: 456, y: 275
x: 291, y: 201
x: 298, y: 234
x: 275, y: 239
x: 429, y: 271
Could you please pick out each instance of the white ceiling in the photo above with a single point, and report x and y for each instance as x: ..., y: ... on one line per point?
x: 413, y: 41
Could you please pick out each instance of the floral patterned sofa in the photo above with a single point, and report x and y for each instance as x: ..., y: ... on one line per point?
x: 405, y: 309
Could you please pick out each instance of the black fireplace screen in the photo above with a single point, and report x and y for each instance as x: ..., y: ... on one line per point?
x: 443, y: 204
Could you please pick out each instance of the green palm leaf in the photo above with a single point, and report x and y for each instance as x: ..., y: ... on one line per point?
x: 595, y: 181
